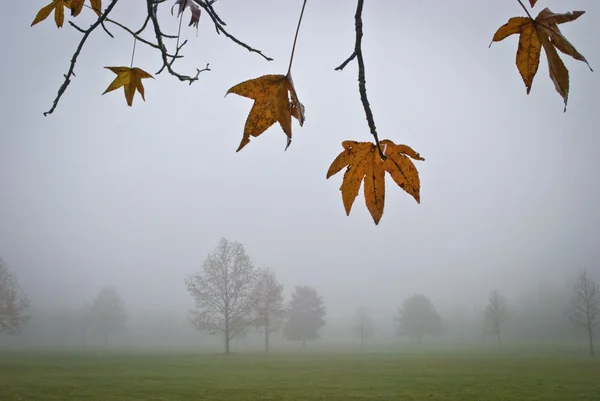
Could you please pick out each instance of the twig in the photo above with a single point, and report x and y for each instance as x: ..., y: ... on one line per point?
x: 163, y: 50
x: 68, y: 75
x: 296, y: 37
x: 136, y: 35
x: 207, y: 6
x: 362, y: 84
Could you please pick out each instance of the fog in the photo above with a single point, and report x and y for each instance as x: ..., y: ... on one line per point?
x: 101, y: 194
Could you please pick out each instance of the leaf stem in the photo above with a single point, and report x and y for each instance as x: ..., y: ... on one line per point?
x: 296, y: 38
x: 525, y: 8
x: 179, y: 30
x: 133, y: 51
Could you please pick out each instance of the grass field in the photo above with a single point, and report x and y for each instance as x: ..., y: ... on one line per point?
x: 394, y: 375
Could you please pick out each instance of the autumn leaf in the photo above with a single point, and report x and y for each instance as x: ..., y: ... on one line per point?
x: 77, y: 6
x: 59, y: 12
x: 194, y: 8
x: 271, y: 94
x: 130, y: 79
x: 543, y: 31
x: 362, y: 161
x: 532, y: 2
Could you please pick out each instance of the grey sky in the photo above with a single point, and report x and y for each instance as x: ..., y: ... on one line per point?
x: 99, y: 193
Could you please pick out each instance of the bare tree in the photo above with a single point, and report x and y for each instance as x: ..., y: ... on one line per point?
x: 108, y: 312
x: 269, y: 303
x: 13, y: 302
x: 223, y: 292
x: 363, y: 325
x: 584, y: 307
x: 495, y: 313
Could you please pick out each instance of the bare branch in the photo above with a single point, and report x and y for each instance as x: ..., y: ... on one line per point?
x: 362, y: 84
x: 219, y: 24
x: 163, y: 50
x: 70, y: 73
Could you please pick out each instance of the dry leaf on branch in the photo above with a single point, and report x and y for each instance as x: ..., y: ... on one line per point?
x: 130, y: 79
x: 77, y: 6
x: 535, y: 34
x: 194, y: 8
x: 362, y: 161
x: 59, y: 12
x: 532, y: 2
x: 275, y: 100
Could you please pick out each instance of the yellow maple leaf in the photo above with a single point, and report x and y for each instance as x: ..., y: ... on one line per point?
x: 130, y: 79
x: 77, y: 6
x: 543, y: 31
x: 362, y: 161
x: 59, y: 12
x: 272, y: 103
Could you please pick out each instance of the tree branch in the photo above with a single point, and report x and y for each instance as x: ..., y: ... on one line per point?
x: 70, y: 73
x: 362, y: 84
x: 219, y: 24
x: 163, y: 50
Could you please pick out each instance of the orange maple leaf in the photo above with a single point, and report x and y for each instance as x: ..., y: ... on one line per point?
x: 543, y: 31
x: 363, y: 161
x: 272, y: 103
x: 77, y: 6
x: 59, y: 12
x: 130, y: 79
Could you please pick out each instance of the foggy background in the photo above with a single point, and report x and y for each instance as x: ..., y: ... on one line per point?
x: 102, y: 194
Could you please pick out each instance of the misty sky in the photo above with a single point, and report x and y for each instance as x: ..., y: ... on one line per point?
x: 99, y: 193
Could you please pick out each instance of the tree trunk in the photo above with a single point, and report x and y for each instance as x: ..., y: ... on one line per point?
x: 362, y: 337
x: 498, y: 334
x: 227, y: 340
x: 591, y: 339
x: 266, y: 340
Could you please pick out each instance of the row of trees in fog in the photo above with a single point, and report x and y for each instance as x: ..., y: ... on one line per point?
x: 233, y: 297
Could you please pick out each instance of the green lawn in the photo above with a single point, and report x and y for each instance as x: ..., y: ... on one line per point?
x: 444, y: 375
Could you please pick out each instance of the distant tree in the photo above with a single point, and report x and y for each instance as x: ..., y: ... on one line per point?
x: 224, y: 291
x: 85, y: 321
x: 584, y: 307
x: 269, y: 303
x: 13, y: 302
x: 305, y: 315
x: 108, y: 312
x: 495, y: 313
x: 363, y: 325
x: 418, y: 317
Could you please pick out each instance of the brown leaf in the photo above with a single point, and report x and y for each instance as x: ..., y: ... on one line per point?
x: 528, y: 54
x: 130, y: 79
x: 362, y: 161
x: 59, y: 12
x: 538, y: 33
x: 271, y: 94
x: 513, y: 26
x: 558, y: 72
x: 76, y: 7
x: 97, y: 6
x: 532, y: 2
